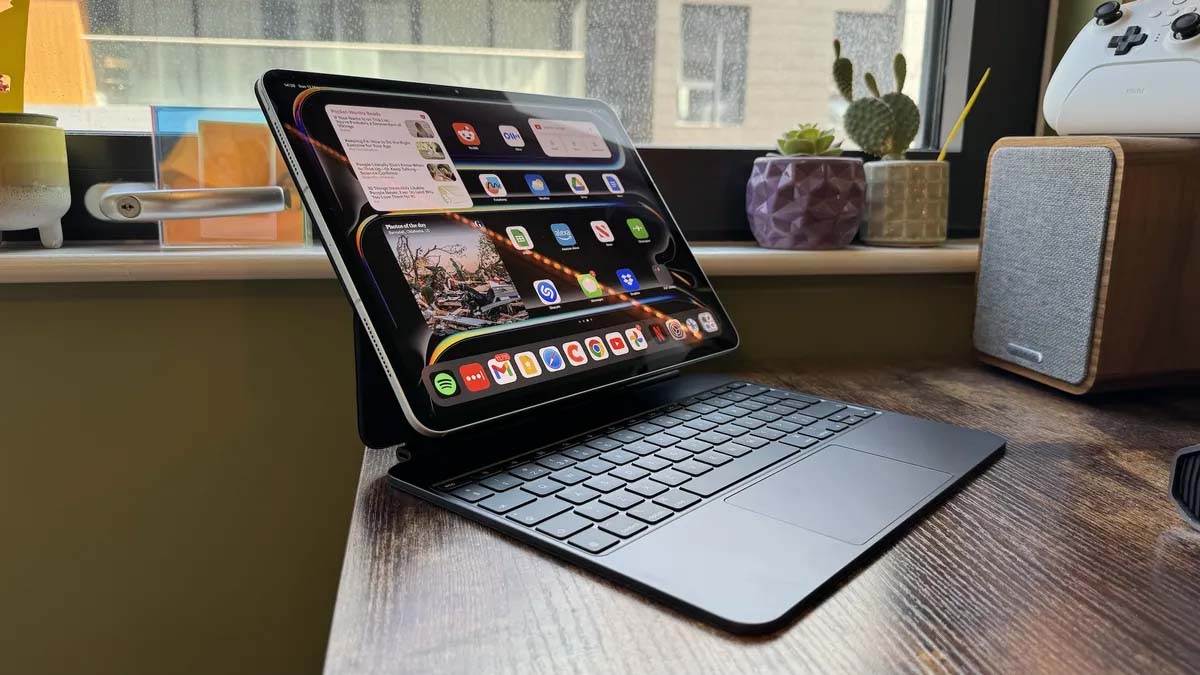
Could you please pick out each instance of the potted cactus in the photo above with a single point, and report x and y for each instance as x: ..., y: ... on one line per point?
x: 907, y: 200
x: 808, y: 196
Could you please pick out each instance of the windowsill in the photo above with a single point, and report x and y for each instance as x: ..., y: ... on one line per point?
x: 148, y: 262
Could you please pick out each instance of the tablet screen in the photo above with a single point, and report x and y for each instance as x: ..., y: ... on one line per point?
x: 509, y: 250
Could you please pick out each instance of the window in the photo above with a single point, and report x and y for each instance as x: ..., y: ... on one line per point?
x: 712, y: 81
x: 679, y: 73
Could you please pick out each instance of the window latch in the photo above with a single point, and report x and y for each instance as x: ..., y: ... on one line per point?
x: 145, y: 203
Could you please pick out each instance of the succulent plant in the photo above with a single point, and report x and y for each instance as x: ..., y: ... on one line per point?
x: 809, y: 139
x: 881, y: 124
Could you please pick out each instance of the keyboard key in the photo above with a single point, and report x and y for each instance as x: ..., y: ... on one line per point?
x: 816, y: 432
x: 622, y: 499
x: 799, y: 441
x: 737, y: 412
x: 767, y: 416
x: 794, y: 405
x: 693, y: 468
x: 603, y: 444
x: 646, y: 488
x: 570, y: 476
x: 701, y: 425
x: 748, y: 423
x: 623, y: 526
x: 652, y: 463
x: 529, y: 471
x: 733, y: 449
x: 556, y: 461
x: 565, y: 525
x: 731, y: 430
x: 780, y: 409
x: 720, y: 478
x: 835, y: 427
x: 507, y: 501
x: 720, y: 402
x: 538, y: 511
x: 713, y: 437
x: 784, y: 426
x: 500, y: 482
x: 593, y: 541
x: 595, y: 466
x: 768, y: 433
x: 670, y: 477
x: 666, y: 421
x: 801, y: 419
x: 472, y: 493
x: 861, y: 412
x: 580, y: 452
x: 736, y: 396
x: 719, y: 418
x: 662, y: 440
x: 578, y: 494
x: 542, y: 487
x: 676, y: 500
x: 751, y: 441
x: 752, y: 406
x: 630, y: 473
x: 674, y: 454
x: 851, y: 419
x: 693, y: 445
x: 650, y: 512
x: 685, y: 414
x: 803, y: 398
x: 682, y: 432
x: 702, y: 408
x: 619, y: 457
x: 596, y: 511
x: 605, y: 483
x: 646, y: 429
x: 625, y: 436
x: 641, y: 448
x: 712, y: 457
x: 824, y: 409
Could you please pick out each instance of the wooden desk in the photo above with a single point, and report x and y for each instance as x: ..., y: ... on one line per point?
x: 1066, y: 555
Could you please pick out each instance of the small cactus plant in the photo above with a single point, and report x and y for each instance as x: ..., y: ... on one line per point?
x: 882, y: 125
x: 809, y: 139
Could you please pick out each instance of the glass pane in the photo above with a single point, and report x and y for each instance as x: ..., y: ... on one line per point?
x: 678, y: 73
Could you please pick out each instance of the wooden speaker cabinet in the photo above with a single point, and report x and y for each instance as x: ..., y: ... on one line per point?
x: 1089, y: 263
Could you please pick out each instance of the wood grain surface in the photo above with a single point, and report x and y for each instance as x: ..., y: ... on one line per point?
x: 1065, y: 556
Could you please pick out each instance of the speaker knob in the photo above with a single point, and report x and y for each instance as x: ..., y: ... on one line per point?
x: 1186, y: 26
x: 1108, y: 12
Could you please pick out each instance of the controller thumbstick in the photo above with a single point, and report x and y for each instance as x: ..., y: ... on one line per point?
x: 1108, y: 12
x: 1186, y: 26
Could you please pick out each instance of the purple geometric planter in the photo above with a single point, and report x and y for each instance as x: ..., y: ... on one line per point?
x: 805, y: 202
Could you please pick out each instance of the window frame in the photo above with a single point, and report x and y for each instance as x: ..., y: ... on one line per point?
x: 1008, y: 37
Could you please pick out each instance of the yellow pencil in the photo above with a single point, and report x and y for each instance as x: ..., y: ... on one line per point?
x: 963, y: 116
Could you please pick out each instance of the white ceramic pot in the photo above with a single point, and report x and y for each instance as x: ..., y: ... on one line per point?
x: 907, y: 203
x: 34, y: 190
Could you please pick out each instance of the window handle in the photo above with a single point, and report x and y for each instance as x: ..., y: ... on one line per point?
x: 145, y: 203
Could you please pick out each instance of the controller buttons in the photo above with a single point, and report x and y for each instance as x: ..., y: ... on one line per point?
x: 1186, y: 27
x: 1172, y: 12
x: 1133, y: 37
x: 1178, y: 2
x: 1155, y: 14
x: 1108, y: 12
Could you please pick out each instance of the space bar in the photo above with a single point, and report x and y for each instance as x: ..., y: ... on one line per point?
x: 722, y: 477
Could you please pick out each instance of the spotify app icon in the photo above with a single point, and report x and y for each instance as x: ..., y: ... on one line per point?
x: 444, y: 384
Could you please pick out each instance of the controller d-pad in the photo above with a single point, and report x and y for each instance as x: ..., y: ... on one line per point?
x: 1124, y: 43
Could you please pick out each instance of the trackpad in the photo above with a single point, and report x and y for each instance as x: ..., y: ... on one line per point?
x: 841, y: 493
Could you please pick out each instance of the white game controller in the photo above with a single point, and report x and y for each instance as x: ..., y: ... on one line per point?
x: 1134, y: 69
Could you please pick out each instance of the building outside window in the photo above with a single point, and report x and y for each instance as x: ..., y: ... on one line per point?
x: 679, y: 73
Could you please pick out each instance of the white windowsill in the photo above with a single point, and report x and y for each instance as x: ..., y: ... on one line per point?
x: 148, y: 262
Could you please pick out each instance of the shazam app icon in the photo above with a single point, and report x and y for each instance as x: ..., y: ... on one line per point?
x: 444, y: 384
x: 547, y: 292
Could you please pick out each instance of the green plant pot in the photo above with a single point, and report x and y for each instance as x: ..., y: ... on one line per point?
x: 34, y: 190
x: 907, y: 203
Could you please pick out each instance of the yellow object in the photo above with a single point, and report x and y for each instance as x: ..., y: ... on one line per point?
x: 14, y: 26
x: 58, y: 62
x: 962, y: 117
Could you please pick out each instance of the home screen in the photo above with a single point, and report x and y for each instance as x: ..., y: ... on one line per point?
x: 517, y: 245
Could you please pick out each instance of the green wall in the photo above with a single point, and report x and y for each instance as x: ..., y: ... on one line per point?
x: 179, y: 460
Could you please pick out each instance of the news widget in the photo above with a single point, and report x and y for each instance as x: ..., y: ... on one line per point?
x: 485, y: 374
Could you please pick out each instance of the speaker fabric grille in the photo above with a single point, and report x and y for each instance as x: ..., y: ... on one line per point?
x: 1047, y: 215
x: 1185, y: 483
